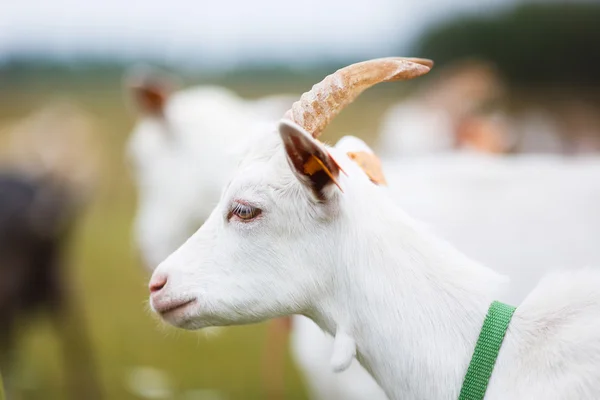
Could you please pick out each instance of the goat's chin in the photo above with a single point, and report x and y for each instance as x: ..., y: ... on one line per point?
x: 182, y: 322
x: 197, y: 315
x: 192, y: 325
x: 192, y: 320
x: 184, y: 318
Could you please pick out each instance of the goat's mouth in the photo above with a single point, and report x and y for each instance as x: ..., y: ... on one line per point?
x: 169, y: 308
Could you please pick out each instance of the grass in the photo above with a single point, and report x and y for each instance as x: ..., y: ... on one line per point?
x: 112, y: 285
x: 1, y: 389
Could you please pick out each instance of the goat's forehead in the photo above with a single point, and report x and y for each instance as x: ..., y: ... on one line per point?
x: 264, y: 169
x: 265, y: 146
x: 258, y: 170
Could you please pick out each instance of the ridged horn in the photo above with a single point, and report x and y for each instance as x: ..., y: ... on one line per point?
x: 316, y: 108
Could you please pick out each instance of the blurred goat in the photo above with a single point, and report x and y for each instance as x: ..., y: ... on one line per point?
x: 446, y: 114
x: 465, y: 107
x: 45, y: 182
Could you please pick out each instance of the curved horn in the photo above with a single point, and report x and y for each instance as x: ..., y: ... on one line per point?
x: 326, y: 99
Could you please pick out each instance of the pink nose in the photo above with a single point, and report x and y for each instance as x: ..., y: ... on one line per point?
x: 157, y: 282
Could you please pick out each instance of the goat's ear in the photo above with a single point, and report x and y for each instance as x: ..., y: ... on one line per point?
x: 359, y: 152
x: 309, y: 159
x: 149, y: 89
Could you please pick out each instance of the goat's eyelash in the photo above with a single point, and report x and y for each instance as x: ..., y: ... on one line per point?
x: 243, y: 212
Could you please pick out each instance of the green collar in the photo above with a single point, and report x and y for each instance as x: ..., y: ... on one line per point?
x: 486, y: 351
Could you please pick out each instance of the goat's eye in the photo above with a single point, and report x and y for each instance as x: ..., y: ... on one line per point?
x: 244, y: 212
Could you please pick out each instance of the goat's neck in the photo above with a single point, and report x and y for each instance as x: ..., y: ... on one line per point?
x: 413, y: 305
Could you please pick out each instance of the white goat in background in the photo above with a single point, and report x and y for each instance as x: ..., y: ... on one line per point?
x: 461, y: 109
x: 444, y: 115
x: 293, y: 234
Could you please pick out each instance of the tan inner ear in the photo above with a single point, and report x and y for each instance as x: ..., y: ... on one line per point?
x: 314, y: 165
x: 371, y: 164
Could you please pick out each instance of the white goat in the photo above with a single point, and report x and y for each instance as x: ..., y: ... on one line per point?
x: 446, y: 115
x: 181, y: 150
x: 301, y: 230
x: 436, y: 118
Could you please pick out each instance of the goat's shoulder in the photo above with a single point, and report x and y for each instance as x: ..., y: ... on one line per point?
x: 552, y: 346
x: 555, y: 332
x: 562, y: 298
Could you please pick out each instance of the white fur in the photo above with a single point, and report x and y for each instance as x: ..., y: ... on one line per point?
x: 344, y: 351
x: 521, y: 215
x: 412, y: 303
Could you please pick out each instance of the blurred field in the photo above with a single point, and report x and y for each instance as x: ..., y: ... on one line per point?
x: 112, y: 285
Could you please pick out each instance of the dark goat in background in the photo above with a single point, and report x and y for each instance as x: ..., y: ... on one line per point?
x: 36, y: 219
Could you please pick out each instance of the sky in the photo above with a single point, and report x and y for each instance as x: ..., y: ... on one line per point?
x: 223, y: 33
